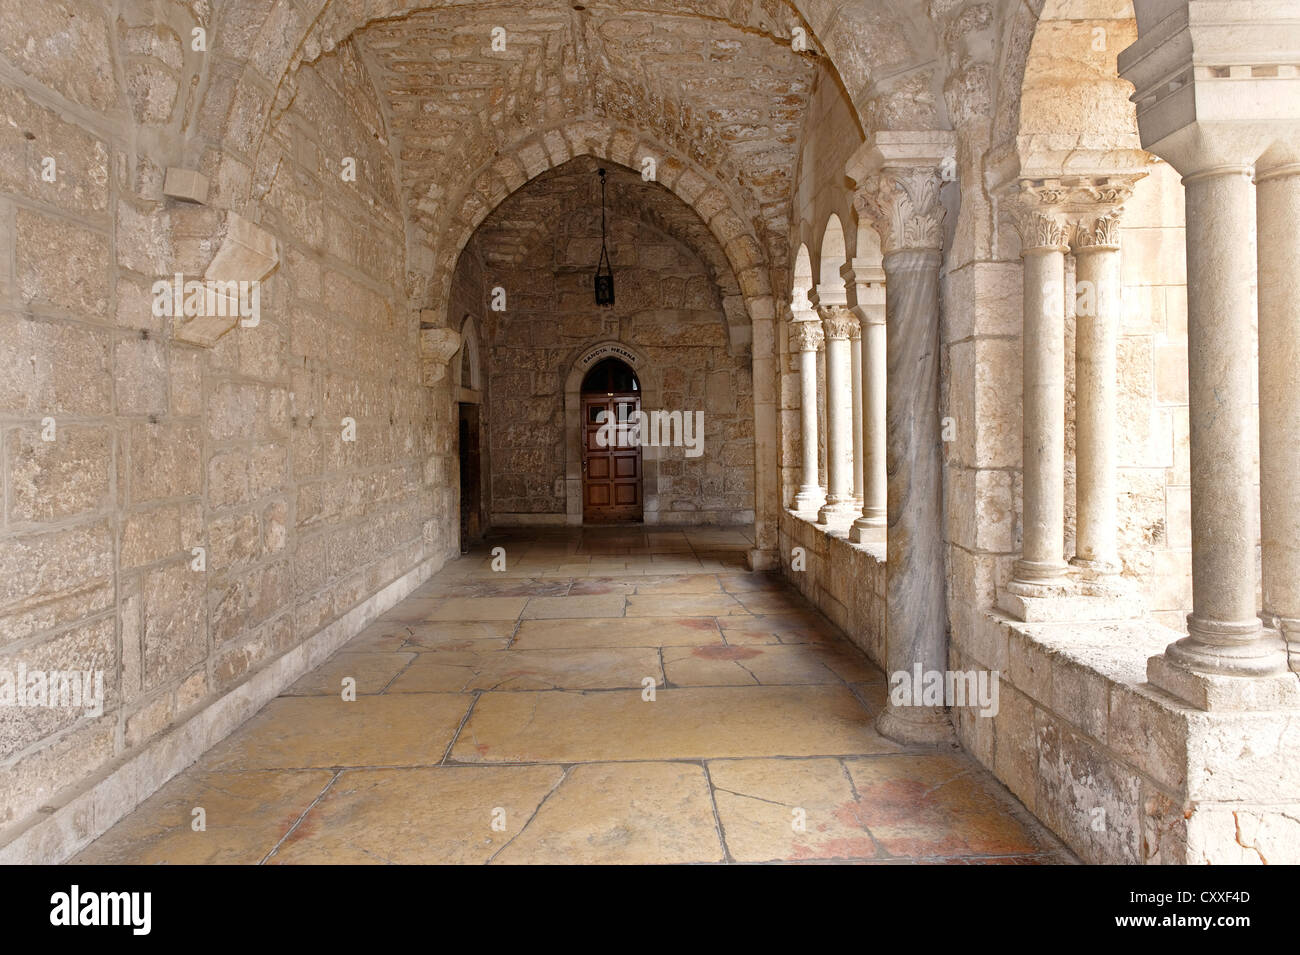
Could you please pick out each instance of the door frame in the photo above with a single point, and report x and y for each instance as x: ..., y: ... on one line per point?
x: 625, y: 514
x: 651, y: 399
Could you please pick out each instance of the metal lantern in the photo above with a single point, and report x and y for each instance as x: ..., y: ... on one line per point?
x: 604, y: 272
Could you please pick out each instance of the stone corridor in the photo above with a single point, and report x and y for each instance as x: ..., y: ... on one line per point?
x: 501, y: 716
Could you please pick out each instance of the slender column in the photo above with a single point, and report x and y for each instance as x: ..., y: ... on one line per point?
x: 837, y: 322
x: 899, y: 177
x: 1224, y: 633
x: 870, y: 293
x: 855, y: 353
x: 1278, y: 201
x: 1097, y: 317
x: 806, y: 339
x: 1043, y: 246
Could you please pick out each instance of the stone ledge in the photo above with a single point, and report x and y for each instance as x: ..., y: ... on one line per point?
x: 1081, y: 731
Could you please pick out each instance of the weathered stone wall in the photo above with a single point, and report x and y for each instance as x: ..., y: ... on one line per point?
x: 160, y: 446
x: 667, y: 308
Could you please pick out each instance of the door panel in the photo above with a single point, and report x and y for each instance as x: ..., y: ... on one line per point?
x: 611, y: 476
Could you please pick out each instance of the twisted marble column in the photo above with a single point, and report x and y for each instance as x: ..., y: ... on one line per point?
x: 901, y: 199
x: 806, y: 339
x: 1043, y: 246
x: 837, y: 324
x: 1278, y: 202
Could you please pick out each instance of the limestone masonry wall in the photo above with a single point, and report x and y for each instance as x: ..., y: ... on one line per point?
x: 126, y: 448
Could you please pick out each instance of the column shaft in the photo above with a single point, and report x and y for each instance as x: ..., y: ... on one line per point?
x: 875, y: 479
x: 1096, y: 398
x: 1042, y: 554
x: 804, y: 337
x: 855, y: 352
x: 1278, y: 201
x: 839, y: 414
x: 1223, y: 629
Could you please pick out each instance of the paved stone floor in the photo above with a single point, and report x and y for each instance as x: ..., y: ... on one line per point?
x: 501, y: 717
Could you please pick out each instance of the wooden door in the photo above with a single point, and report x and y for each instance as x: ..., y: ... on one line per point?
x: 611, y: 475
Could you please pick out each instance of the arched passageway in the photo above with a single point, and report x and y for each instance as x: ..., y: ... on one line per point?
x: 296, y: 311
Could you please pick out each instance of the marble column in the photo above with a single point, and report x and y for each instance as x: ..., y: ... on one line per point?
x: 806, y: 339
x: 855, y: 354
x: 1041, y: 567
x: 865, y: 281
x: 1099, y: 291
x: 837, y: 323
x: 1278, y: 218
x: 899, y: 180
x: 1224, y: 632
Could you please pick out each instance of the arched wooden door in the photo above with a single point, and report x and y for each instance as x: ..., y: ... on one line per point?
x: 611, y: 456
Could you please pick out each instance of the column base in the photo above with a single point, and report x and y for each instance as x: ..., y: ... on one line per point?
x: 760, y: 560
x: 837, y: 511
x: 1085, y: 568
x: 868, y: 527
x: 1219, y: 691
x: 1229, y: 648
x: 920, y: 725
x: 809, y: 498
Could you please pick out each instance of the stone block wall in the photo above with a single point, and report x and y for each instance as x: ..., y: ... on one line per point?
x: 125, y: 449
x: 1122, y: 772
x: 844, y: 581
x: 668, y: 309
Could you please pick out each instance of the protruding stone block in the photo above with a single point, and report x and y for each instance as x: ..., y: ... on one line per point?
x: 246, y: 255
x: 437, y: 346
x: 188, y: 185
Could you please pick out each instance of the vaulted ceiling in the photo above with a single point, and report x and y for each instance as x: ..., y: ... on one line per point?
x: 727, y: 98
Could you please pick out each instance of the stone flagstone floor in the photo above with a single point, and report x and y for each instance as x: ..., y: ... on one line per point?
x: 500, y: 717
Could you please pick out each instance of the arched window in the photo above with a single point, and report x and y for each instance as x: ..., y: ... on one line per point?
x: 610, y: 377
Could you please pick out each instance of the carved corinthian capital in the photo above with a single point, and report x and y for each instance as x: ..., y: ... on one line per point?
x: 1082, y: 211
x: 805, y: 336
x: 902, y: 204
x: 838, y: 321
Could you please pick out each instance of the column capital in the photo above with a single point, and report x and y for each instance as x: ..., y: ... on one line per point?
x: 839, y: 322
x: 898, y: 176
x: 806, y: 336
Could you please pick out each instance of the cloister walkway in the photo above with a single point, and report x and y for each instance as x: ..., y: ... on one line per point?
x: 507, y: 716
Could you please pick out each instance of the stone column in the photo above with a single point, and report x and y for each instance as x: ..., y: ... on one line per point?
x: 837, y: 323
x: 899, y: 178
x: 1099, y: 296
x: 1224, y: 633
x: 1040, y: 571
x: 855, y: 354
x: 1278, y: 202
x: 865, y: 283
x: 1213, y: 124
x: 806, y: 339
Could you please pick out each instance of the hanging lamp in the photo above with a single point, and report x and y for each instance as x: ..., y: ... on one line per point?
x: 604, y: 272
